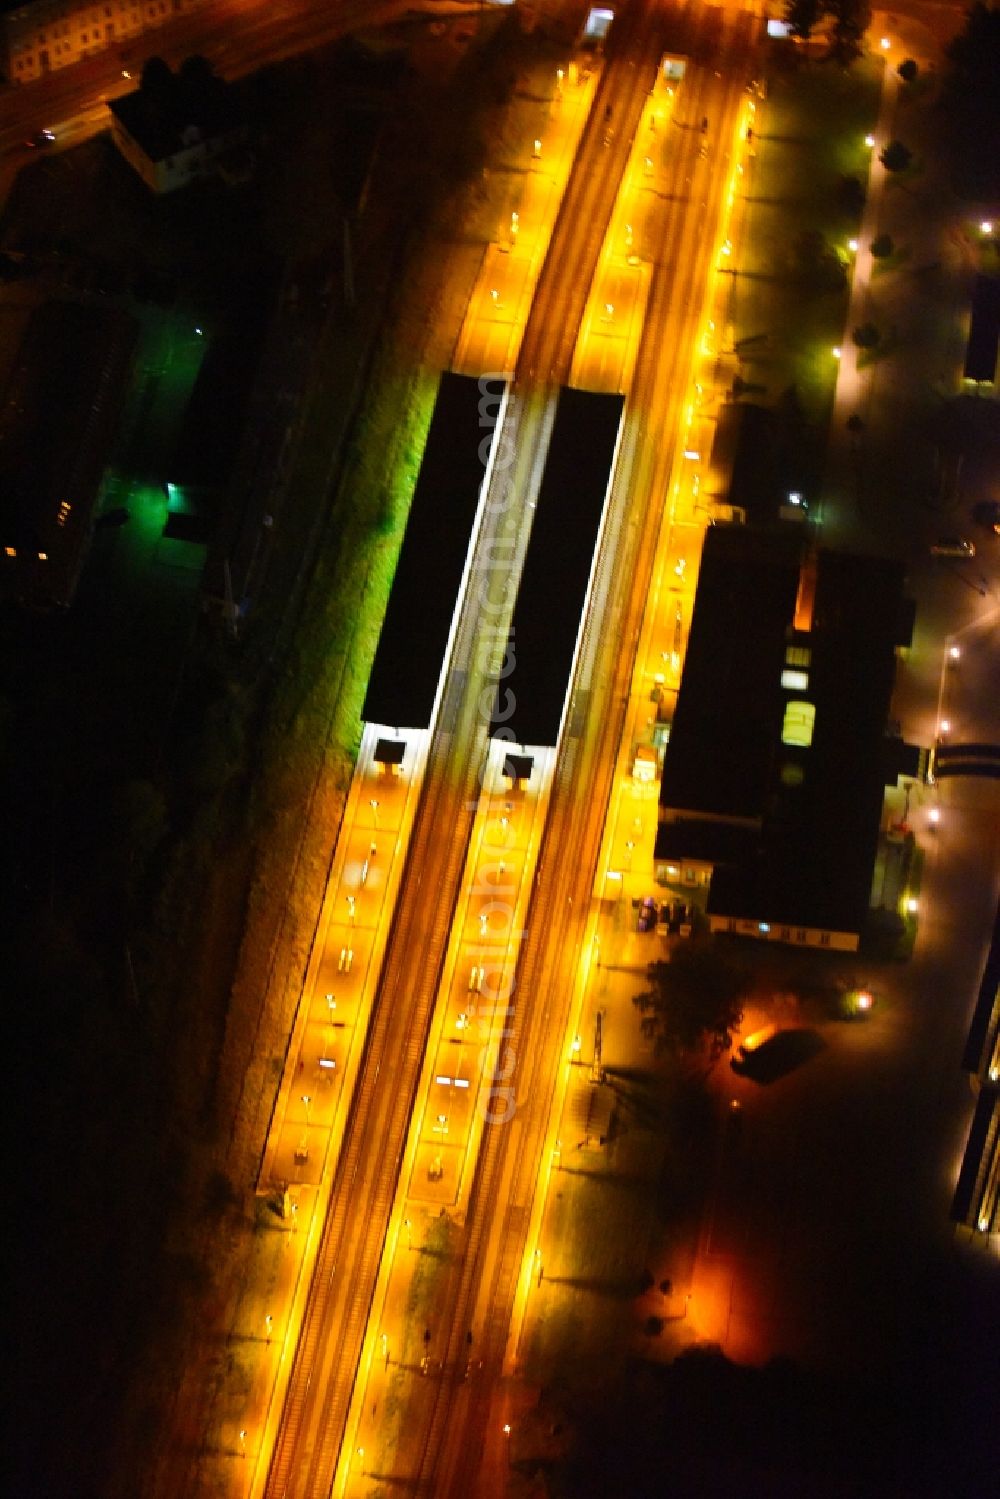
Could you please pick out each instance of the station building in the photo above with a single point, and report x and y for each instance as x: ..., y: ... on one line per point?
x: 779, y: 751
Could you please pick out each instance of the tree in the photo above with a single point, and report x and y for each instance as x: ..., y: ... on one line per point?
x: 896, y: 157
x: 851, y: 19
x: 695, y: 1000
x: 866, y: 336
x: 882, y: 246
x: 802, y: 16
x: 157, y: 77
x: 817, y: 263
x: 908, y: 70
x: 851, y: 194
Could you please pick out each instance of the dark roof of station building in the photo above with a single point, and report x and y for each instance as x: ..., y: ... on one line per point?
x: 411, y: 648
x: 745, y: 458
x: 557, y: 566
x: 719, y: 755
x: 817, y: 807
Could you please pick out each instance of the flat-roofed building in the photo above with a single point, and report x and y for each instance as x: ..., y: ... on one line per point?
x: 774, y: 772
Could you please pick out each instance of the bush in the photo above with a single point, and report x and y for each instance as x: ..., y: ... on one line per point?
x: 866, y: 336
x: 896, y: 157
x: 908, y: 70
x: 882, y: 246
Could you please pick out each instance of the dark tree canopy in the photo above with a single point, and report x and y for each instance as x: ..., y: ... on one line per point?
x: 817, y: 263
x: 908, y: 70
x: 866, y: 336
x: 802, y: 16
x: 695, y: 1000
x: 896, y: 157
x: 882, y: 246
x: 157, y: 77
x: 851, y: 19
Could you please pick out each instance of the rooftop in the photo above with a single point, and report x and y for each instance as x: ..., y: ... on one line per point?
x: 781, y: 721
x: 177, y: 111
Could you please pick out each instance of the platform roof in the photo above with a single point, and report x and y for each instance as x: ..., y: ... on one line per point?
x: 411, y: 648
x: 556, y: 574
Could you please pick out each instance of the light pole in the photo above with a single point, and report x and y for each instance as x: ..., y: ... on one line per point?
x: 374, y: 806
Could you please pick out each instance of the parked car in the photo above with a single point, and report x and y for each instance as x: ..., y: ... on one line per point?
x: 40, y: 138
x: 952, y: 546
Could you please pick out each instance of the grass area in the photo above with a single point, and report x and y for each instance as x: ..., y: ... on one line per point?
x: 810, y: 144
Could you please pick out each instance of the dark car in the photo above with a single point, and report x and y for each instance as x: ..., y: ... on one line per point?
x: 41, y: 138
x: 647, y: 914
x: 987, y: 515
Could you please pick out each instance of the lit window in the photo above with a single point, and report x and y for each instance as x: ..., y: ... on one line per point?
x: 792, y: 774
x: 798, y: 725
x: 797, y: 679
x: 764, y: 926
x: 43, y: 556
x: 797, y: 655
x: 11, y: 551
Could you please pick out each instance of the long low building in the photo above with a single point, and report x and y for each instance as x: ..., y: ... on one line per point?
x: 555, y: 579
x: 775, y: 769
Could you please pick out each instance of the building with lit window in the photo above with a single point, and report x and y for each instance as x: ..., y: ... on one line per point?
x: 778, y: 756
x: 44, y: 35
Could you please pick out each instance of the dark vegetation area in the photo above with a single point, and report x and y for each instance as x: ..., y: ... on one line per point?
x: 695, y: 1001
x: 132, y: 776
